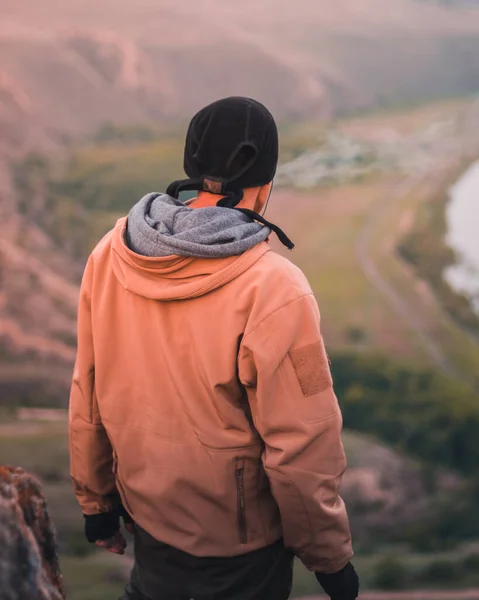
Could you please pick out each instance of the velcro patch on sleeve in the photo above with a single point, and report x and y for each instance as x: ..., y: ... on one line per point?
x: 311, y: 365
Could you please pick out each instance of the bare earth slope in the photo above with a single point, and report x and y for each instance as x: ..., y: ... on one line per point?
x: 73, y: 65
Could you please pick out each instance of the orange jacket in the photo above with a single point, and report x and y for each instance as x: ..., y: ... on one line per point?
x: 202, y: 394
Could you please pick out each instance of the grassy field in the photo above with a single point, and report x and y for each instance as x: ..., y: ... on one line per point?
x: 326, y: 232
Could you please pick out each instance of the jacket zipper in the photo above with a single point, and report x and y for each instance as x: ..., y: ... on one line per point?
x: 240, y: 491
x: 118, y: 483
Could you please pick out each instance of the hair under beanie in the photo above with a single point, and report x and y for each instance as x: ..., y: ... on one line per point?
x: 231, y: 145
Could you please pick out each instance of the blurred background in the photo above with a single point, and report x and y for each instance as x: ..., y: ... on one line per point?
x: 378, y: 107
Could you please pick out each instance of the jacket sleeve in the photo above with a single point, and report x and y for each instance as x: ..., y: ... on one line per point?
x: 91, y: 455
x: 285, y: 369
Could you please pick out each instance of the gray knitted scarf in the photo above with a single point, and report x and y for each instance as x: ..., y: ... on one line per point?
x: 159, y: 225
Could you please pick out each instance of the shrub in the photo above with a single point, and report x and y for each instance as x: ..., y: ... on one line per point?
x: 418, y: 411
x: 471, y: 563
x: 442, y: 572
x: 390, y: 574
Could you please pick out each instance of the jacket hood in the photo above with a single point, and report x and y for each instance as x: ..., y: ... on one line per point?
x: 159, y: 225
x: 175, y: 277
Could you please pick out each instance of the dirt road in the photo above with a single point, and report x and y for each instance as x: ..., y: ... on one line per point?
x: 400, y: 306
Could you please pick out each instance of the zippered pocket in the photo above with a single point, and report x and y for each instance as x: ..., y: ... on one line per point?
x: 119, y: 484
x: 241, y: 501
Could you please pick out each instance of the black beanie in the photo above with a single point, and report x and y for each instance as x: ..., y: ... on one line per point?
x: 231, y: 145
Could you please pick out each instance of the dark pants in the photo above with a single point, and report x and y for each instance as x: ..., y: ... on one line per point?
x: 164, y: 573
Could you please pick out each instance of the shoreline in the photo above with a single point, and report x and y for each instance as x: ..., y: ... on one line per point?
x: 424, y: 247
x: 461, y: 234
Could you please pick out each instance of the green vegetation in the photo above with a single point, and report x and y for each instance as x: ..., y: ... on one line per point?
x: 390, y: 574
x: 426, y: 415
x: 452, y: 518
x: 97, y: 184
x: 111, y: 177
x: 20, y: 388
x: 96, y: 577
x: 416, y: 410
x: 111, y: 133
x: 102, y: 179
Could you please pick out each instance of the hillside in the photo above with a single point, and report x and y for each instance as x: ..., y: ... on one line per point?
x: 67, y: 67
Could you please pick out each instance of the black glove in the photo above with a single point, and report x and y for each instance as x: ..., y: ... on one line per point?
x: 343, y: 585
x: 104, y: 525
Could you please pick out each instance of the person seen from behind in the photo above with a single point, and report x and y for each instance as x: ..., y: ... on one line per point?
x: 202, y: 409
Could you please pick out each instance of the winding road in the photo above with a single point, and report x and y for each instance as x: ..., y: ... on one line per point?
x: 393, y: 297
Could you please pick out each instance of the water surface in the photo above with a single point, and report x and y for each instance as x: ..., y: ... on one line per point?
x: 462, y: 215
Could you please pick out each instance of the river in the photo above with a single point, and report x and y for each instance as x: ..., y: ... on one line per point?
x: 462, y: 215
